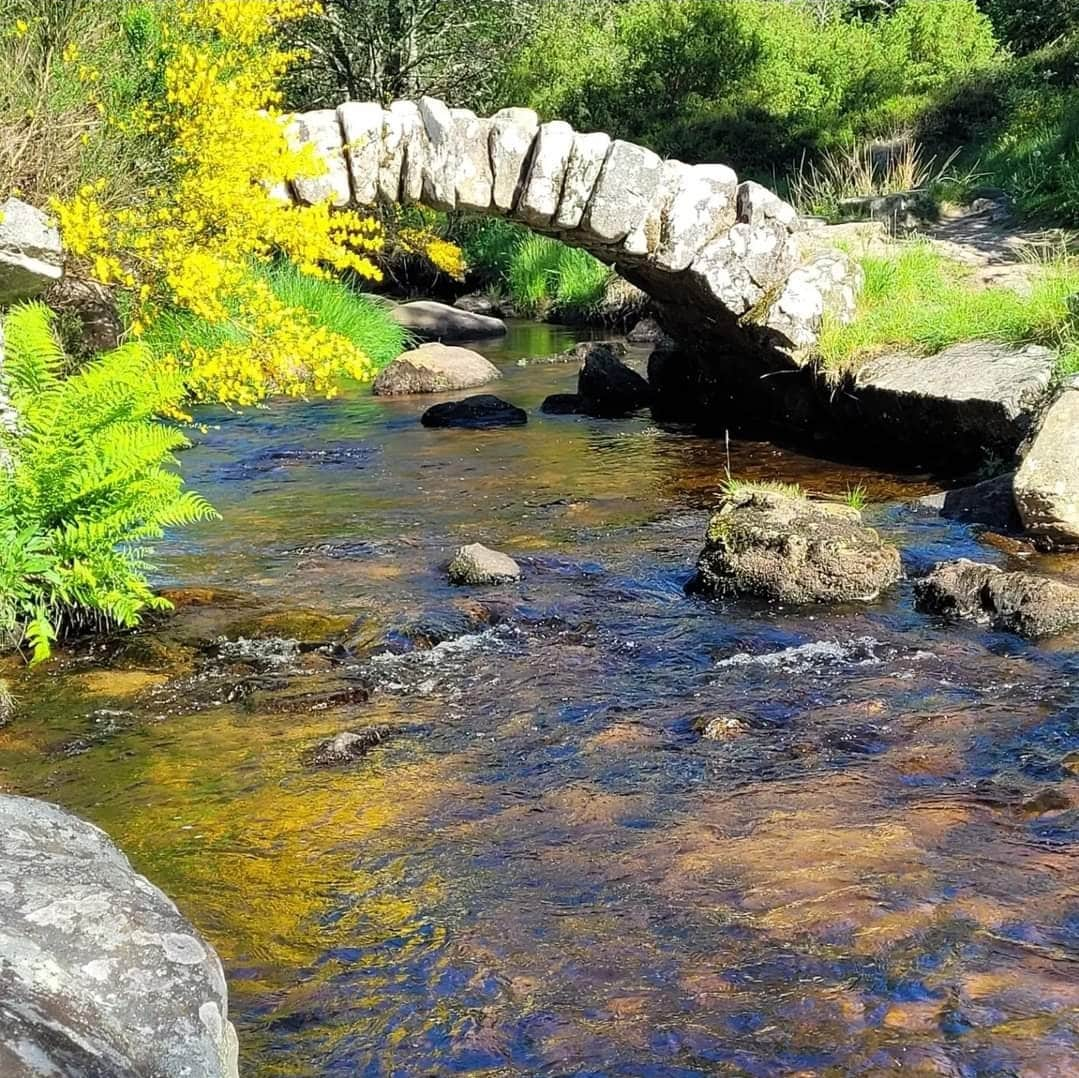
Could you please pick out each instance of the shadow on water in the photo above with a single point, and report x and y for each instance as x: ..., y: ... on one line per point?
x: 543, y: 868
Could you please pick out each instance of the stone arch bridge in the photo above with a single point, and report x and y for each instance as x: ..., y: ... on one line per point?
x: 722, y: 259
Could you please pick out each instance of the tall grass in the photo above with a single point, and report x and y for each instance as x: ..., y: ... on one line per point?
x: 363, y: 319
x: 864, y: 170
x: 547, y: 277
x: 920, y: 300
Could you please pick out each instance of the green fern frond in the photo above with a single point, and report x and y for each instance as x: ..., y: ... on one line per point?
x: 93, y: 478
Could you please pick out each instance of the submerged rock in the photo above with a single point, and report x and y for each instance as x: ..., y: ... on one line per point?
x: 477, y: 564
x: 434, y: 368
x: 1032, y: 606
x: 475, y: 413
x: 349, y: 745
x: 1047, y: 483
x: 607, y: 387
x: 721, y: 728
x: 433, y: 321
x: 784, y: 548
x: 562, y: 404
x: 101, y: 973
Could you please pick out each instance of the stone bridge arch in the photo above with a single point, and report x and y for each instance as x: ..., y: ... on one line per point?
x: 721, y: 258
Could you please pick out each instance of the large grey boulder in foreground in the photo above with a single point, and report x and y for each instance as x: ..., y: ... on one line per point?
x: 100, y: 975
x: 435, y: 368
x: 781, y: 547
x: 1047, y: 483
x: 432, y: 321
x: 31, y: 257
x: 1032, y: 606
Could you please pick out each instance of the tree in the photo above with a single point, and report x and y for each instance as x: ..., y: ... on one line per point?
x: 379, y: 50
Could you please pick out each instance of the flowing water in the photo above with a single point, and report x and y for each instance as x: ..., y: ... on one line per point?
x: 543, y: 868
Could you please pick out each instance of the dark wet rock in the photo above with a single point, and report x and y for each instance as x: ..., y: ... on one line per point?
x: 477, y: 564
x: 1046, y: 801
x: 787, y: 549
x: 991, y: 502
x: 480, y: 303
x: 435, y: 368
x: 562, y: 404
x: 101, y: 974
x: 349, y: 746
x: 475, y: 413
x: 298, y: 698
x: 647, y: 331
x: 607, y: 387
x: 1032, y: 606
x: 431, y: 321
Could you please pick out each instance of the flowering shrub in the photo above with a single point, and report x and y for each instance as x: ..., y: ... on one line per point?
x: 190, y: 239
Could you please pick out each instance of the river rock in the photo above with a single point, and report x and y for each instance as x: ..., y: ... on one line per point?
x: 434, y: 368
x: 991, y: 503
x: 479, y: 303
x: 477, y: 564
x: 607, y: 387
x: 1047, y: 483
x: 980, y: 393
x: 647, y: 331
x: 787, y: 549
x: 562, y: 404
x: 100, y: 973
x: 348, y: 746
x: 31, y: 256
x: 432, y: 321
x: 1032, y: 606
x: 475, y: 413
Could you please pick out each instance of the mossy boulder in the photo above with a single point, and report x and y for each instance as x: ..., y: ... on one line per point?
x: 784, y: 548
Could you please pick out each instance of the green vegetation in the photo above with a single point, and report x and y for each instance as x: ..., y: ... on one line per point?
x: 542, y: 276
x: 334, y: 305
x: 87, y: 482
x: 1018, y: 120
x: 920, y: 300
x: 856, y: 497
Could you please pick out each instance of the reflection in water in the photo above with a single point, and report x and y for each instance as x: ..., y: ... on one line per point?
x: 548, y: 870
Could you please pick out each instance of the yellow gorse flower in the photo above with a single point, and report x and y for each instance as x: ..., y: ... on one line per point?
x: 190, y: 242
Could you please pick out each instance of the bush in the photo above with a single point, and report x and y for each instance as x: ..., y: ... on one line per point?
x: 87, y: 481
x: 331, y: 305
x: 548, y: 278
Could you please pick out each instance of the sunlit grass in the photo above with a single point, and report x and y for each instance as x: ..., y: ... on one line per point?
x: 918, y: 299
x: 363, y: 319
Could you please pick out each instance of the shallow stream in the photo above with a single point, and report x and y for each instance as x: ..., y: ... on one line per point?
x: 544, y: 869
